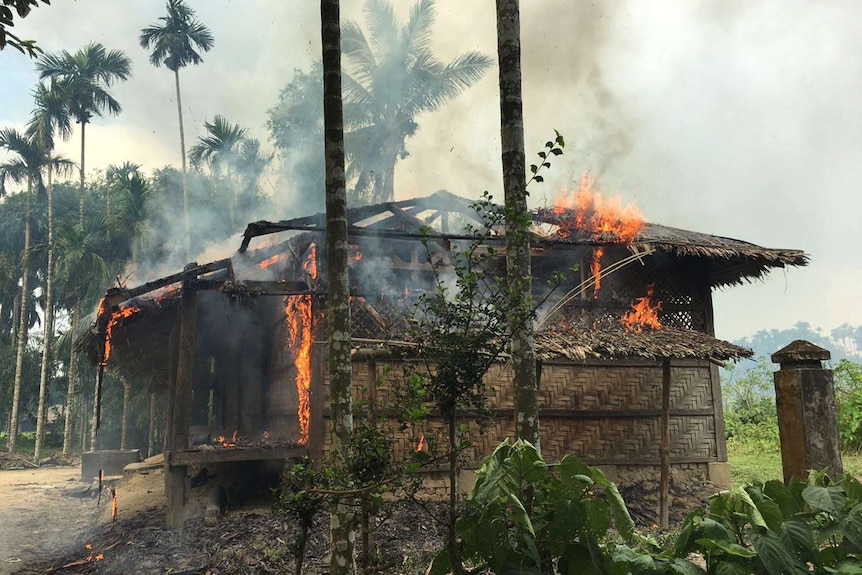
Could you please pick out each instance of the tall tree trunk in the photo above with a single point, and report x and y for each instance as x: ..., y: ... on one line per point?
x: 22, y: 326
x: 342, y: 526
x: 81, y: 188
x: 70, y: 387
x: 188, y: 232
x: 124, y: 426
x: 49, y: 324
x: 94, y: 427
x: 517, y: 222
x: 151, y: 429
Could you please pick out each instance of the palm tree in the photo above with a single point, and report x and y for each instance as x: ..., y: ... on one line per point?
x: 82, y: 273
x: 132, y: 193
x: 50, y: 115
x: 173, y: 44
x: 83, y: 79
x: 220, y: 150
x: 25, y: 166
x: 393, y: 77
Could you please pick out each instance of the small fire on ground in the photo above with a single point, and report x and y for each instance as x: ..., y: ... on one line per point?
x: 92, y: 555
x: 644, y: 313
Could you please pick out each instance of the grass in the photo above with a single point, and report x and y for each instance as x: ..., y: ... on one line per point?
x: 749, y: 463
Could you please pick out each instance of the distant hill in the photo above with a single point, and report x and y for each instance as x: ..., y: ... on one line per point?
x: 845, y: 341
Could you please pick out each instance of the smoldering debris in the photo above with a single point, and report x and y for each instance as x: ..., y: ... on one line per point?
x: 243, y: 541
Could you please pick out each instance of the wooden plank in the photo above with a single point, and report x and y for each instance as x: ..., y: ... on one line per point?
x: 176, y: 480
x: 664, y: 447
x: 231, y: 454
x: 546, y: 413
x: 262, y: 288
x: 629, y: 461
x: 715, y: 381
x: 191, y: 271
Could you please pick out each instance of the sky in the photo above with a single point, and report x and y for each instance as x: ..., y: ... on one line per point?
x: 737, y: 119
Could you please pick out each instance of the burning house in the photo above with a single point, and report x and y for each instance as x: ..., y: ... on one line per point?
x: 626, y: 348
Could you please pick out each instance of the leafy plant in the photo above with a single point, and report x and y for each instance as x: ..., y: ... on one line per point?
x: 774, y: 529
x: 526, y: 516
x: 848, y: 396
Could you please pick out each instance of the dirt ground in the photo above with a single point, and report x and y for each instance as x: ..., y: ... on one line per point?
x: 48, y: 516
x: 41, y: 511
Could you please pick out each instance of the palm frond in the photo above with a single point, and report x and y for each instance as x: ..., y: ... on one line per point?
x: 417, y: 32
x: 381, y: 22
x: 179, y: 39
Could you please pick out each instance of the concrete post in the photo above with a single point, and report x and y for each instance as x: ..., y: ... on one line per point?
x: 807, y: 417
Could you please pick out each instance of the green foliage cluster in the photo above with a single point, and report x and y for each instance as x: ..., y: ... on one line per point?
x: 772, y: 528
x: 848, y: 395
x: 526, y: 516
x: 750, y: 419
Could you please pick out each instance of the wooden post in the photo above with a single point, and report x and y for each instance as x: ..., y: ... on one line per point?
x: 152, y: 422
x: 176, y: 476
x: 664, y: 448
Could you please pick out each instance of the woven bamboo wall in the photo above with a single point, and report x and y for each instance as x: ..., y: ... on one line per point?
x: 605, y: 413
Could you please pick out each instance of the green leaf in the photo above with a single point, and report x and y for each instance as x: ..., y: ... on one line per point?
x: 849, y: 568
x: 622, y: 519
x: 797, y: 534
x: 440, y: 564
x: 636, y: 562
x: 714, y: 530
x: 557, y: 151
x: 771, y: 514
x: 772, y: 552
x: 727, y: 547
x: 684, y: 567
x: 788, y: 498
x: 852, y: 526
x: 543, y: 155
x: 539, y: 179
x: 684, y: 540
x: 599, y: 519
x: 732, y: 568
x: 818, y: 497
x: 568, y: 518
x: 534, y: 168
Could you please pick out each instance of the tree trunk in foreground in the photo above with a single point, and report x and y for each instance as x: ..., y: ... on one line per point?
x: 517, y: 223
x: 49, y: 325
x: 22, y: 327
x: 342, y: 517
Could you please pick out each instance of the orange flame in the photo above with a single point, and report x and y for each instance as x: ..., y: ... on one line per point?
x: 223, y: 442
x: 109, y: 331
x: 587, y: 211
x: 596, y: 269
x: 421, y: 446
x: 269, y: 261
x: 299, y: 324
x: 91, y: 555
x: 643, y: 314
x: 114, y: 506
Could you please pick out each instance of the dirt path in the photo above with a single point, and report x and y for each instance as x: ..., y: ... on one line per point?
x: 42, y: 512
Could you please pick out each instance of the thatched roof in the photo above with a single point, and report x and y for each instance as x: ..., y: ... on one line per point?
x: 731, y: 261
x: 614, y: 342
x: 443, y: 215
